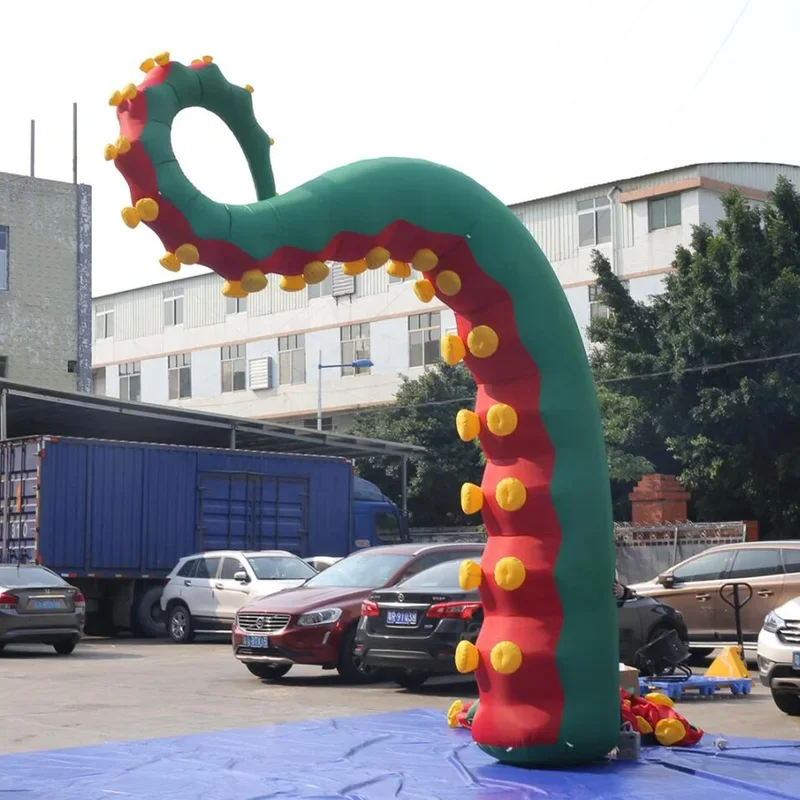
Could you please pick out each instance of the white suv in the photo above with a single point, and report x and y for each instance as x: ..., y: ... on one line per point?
x: 779, y: 656
x: 204, y: 591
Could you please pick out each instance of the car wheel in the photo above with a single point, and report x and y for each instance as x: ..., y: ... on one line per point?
x: 351, y: 667
x: 788, y: 703
x: 180, y: 625
x: 146, y: 617
x: 64, y: 648
x: 270, y: 672
x: 2, y: 645
x: 410, y: 680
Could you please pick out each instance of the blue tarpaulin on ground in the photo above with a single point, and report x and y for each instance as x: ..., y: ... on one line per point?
x: 410, y: 755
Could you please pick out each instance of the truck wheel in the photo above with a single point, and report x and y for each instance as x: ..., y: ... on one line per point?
x: 180, y: 625
x: 788, y: 703
x: 350, y: 666
x: 271, y: 672
x: 146, y: 617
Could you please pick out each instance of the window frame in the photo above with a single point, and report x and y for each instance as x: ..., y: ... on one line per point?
x: 787, y: 563
x: 293, y: 347
x: 174, y: 307
x: 182, y: 361
x: 726, y: 554
x: 746, y: 551
x: 104, y: 330
x: 597, y: 308
x: 132, y: 374
x: 235, y: 305
x: 599, y: 205
x: 352, y: 341
x: 323, y: 288
x: 420, y: 328
x: 653, y: 203
x: 233, y: 354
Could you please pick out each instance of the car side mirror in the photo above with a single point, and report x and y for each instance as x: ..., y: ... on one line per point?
x: 241, y: 576
x: 667, y: 581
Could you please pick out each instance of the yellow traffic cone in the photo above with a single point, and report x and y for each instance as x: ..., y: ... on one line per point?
x: 728, y: 664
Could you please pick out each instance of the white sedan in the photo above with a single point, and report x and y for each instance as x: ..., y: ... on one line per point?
x: 779, y: 656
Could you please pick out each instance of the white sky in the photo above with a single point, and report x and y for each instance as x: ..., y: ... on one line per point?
x: 529, y: 97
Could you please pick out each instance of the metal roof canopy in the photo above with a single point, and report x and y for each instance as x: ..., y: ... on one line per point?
x: 32, y: 411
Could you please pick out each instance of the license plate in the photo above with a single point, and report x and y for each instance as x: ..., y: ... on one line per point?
x: 256, y: 642
x: 796, y: 661
x: 47, y: 605
x: 401, y: 617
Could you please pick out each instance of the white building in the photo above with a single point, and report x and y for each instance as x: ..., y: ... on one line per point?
x: 183, y: 343
x: 45, y: 283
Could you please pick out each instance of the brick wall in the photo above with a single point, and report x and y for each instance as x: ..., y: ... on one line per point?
x: 39, y: 312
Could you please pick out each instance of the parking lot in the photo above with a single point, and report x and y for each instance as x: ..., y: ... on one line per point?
x: 118, y: 689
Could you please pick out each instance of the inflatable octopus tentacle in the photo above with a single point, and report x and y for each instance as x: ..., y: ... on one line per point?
x: 548, y: 567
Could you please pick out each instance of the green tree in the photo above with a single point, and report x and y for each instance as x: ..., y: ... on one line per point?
x: 719, y: 395
x: 424, y: 415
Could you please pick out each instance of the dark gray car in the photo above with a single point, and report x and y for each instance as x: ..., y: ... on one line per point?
x: 38, y: 606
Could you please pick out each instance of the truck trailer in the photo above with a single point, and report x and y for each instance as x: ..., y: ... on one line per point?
x: 114, y: 518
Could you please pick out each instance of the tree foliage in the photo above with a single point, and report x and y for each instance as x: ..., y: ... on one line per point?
x: 720, y: 397
x: 424, y: 415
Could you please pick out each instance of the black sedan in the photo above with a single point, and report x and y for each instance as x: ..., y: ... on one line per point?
x: 411, y: 630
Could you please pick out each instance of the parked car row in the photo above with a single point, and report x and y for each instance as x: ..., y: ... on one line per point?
x: 398, y: 611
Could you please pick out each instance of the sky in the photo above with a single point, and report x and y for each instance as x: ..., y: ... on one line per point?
x: 528, y: 97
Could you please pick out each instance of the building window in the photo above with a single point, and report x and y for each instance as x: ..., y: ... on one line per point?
x: 130, y: 381
x: 235, y: 305
x: 3, y: 366
x: 234, y: 368
x: 665, y: 212
x: 99, y: 381
x: 327, y: 423
x: 103, y: 321
x: 321, y: 289
x: 355, y: 345
x: 594, y: 221
x: 424, y: 333
x: 292, y: 358
x: 3, y: 258
x: 414, y: 276
x: 598, y: 309
x: 173, y: 307
x: 179, y: 370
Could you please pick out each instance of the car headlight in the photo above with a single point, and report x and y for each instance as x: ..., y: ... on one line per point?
x: 773, y: 623
x: 322, y: 616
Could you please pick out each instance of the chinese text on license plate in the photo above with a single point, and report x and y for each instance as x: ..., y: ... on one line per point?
x: 256, y: 642
x: 401, y: 617
x: 796, y: 660
x: 49, y: 605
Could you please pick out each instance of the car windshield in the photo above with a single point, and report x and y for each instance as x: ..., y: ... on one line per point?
x: 442, y: 576
x: 280, y: 568
x: 362, y: 570
x: 12, y: 577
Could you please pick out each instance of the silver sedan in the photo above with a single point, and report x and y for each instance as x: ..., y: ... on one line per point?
x: 36, y: 605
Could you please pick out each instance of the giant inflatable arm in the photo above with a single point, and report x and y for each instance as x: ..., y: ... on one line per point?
x: 548, y: 567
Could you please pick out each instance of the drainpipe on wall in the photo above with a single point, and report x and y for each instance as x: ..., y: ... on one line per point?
x: 612, y: 199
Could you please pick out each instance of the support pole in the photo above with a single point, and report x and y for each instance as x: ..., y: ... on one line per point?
x: 404, y: 501
x: 33, y: 148
x: 3, y: 415
x: 74, y: 142
x: 319, y: 392
x: 233, y: 437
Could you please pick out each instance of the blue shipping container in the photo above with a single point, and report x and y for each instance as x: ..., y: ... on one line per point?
x: 114, y: 509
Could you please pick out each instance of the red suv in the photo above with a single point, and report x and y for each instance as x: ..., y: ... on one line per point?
x: 316, y: 623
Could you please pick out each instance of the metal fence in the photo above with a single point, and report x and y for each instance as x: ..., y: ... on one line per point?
x: 646, y: 551
x: 643, y: 551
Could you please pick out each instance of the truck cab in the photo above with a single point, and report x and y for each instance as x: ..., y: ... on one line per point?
x: 377, y: 523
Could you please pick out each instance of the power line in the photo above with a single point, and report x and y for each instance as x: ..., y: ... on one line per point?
x: 641, y: 376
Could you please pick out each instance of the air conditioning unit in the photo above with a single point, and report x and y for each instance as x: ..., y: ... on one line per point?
x: 262, y: 373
